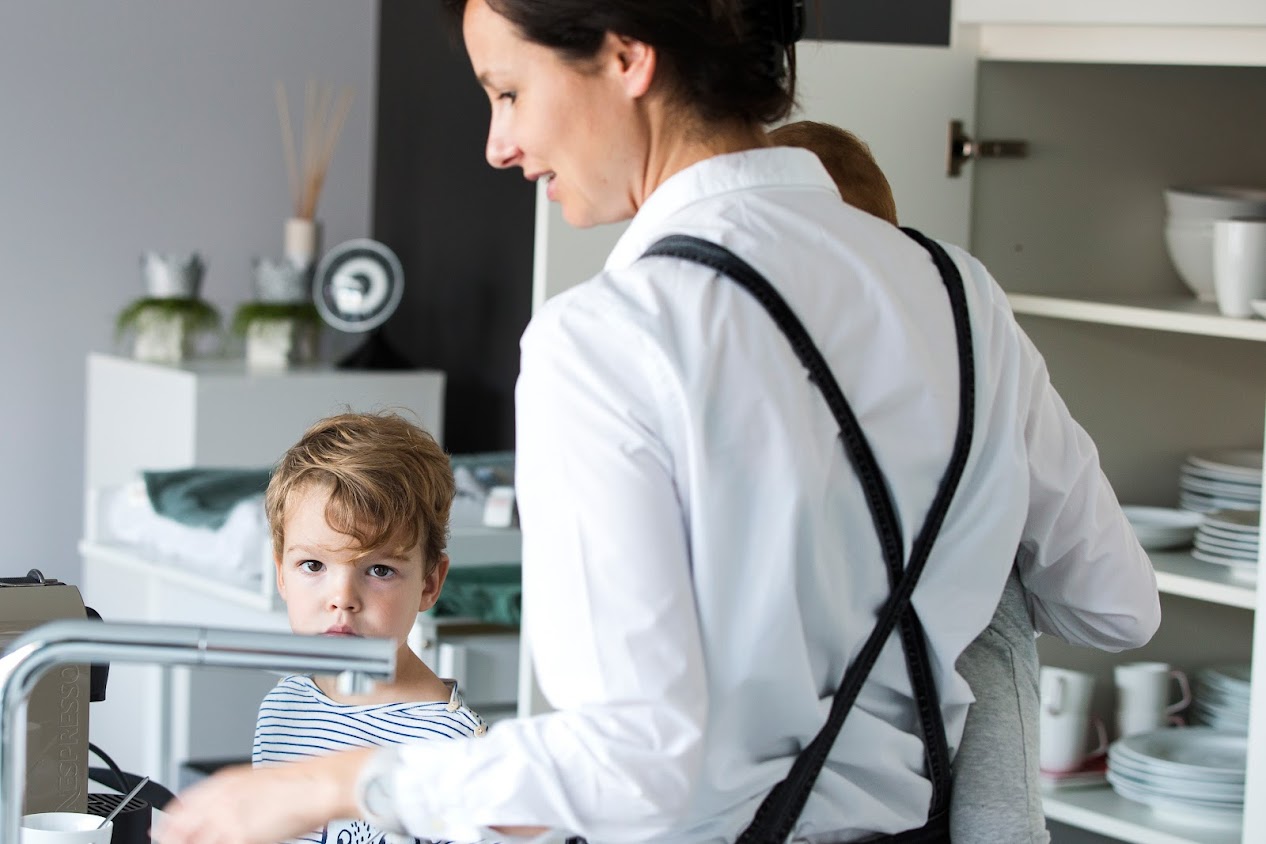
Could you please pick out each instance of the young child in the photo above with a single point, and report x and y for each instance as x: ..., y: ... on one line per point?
x: 997, y: 794
x: 847, y: 160
x: 359, y: 515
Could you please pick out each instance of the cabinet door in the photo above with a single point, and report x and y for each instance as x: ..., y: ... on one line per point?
x: 1113, y: 12
x: 900, y: 100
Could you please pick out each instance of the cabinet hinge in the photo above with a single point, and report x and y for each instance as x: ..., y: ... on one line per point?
x: 963, y: 149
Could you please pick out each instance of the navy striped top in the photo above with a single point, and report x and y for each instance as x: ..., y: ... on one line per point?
x: 297, y: 721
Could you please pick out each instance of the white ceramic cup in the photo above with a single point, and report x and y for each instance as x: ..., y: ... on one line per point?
x: 1239, y: 264
x: 65, y: 828
x: 1143, y: 696
x: 1065, y: 720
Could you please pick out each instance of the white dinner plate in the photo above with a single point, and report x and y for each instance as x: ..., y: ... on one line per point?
x: 1232, y: 462
x: 1220, y: 488
x: 1193, y: 813
x: 1244, y: 521
x: 1246, y: 535
x: 1230, y: 550
x: 1192, y: 751
x: 1210, y: 476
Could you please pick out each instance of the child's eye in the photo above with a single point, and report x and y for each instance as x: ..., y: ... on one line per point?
x: 312, y: 566
x: 381, y: 571
x: 512, y: 96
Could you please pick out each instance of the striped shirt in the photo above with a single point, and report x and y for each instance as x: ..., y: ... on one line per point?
x: 297, y: 721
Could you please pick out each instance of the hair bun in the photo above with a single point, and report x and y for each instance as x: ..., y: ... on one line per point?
x: 788, y: 21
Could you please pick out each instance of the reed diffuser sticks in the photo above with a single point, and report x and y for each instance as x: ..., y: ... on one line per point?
x: 306, y: 165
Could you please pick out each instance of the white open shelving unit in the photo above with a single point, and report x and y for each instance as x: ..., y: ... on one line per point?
x: 1099, y: 809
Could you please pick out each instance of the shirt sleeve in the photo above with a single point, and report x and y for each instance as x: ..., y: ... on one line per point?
x: 608, y: 609
x: 1088, y: 580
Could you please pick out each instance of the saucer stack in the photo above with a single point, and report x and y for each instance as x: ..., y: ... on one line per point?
x: 1229, y: 538
x: 1191, y: 775
x: 1221, y: 480
x: 1221, y: 699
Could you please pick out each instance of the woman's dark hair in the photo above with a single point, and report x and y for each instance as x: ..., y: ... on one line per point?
x: 729, y: 59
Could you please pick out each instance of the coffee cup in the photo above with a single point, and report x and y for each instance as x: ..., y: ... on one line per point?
x: 1143, y: 696
x: 1065, y: 722
x: 1239, y: 264
x: 65, y: 828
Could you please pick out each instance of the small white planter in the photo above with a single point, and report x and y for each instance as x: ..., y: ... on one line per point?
x: 273, y: 344
x: 161, y: 338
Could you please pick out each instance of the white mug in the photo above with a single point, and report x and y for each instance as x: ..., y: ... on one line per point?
x: 1143, y: 702
x: 65, y: 828
x: 1064, y: 691
x: 1239, y: 264
x: 1065, y: 720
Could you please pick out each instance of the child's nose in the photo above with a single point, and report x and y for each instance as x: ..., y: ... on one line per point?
x: 343, y: 596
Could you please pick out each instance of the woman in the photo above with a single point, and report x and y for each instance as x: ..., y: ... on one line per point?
x: 701, y: 565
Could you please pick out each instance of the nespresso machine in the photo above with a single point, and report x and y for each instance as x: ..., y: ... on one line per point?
x: 57, y: 713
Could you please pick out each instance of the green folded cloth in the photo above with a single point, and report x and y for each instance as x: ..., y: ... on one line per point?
x: 493, y: 594
x: 202, y: 497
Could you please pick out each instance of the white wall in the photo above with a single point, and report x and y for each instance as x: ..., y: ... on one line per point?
x: 142, y: 124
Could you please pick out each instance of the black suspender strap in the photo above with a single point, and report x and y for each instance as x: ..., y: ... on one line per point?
x: 779, y: 811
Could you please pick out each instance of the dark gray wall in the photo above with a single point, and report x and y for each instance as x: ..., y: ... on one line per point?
x: 883, y: 21
x: 464, y: 231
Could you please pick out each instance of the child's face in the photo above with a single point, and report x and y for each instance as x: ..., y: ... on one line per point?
x: 330, y: 589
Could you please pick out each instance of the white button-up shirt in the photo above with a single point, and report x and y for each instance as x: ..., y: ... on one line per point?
x: 699, y: 565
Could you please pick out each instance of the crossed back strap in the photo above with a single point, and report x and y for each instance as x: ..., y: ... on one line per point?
x: 778, y: 813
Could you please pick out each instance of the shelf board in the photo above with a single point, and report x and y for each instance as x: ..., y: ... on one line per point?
x: 1102, y: 810
x: 1122, y: 44
x: 1181, y: 314
x: 1178, y: 573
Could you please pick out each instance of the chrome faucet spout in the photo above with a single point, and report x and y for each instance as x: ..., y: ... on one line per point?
x: 37, y: 651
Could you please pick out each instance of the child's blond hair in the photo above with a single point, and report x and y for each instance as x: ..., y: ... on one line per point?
x: 848, y: 161
x: 390, y: 484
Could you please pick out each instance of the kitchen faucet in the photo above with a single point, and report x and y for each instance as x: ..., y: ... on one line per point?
x: 357, y: 662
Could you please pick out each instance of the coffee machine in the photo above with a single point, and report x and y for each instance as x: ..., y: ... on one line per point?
x: 57, y: 710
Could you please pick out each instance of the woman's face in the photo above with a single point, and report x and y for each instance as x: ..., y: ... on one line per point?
x: 578, y: 127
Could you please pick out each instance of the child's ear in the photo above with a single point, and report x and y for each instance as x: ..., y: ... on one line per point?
x: 281, y: 579
x: 433, y: 583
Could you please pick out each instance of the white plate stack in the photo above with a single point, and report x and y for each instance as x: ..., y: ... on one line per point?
x: 1229, y: 538
x: 1221, y: 699
x: 1189, y: 775
x: 1229, y: 479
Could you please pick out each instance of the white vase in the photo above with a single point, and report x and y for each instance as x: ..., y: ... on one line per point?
x: 301, y: 242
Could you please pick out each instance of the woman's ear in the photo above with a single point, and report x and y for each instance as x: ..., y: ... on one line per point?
x: 433, y: 583
x: 634, y: 61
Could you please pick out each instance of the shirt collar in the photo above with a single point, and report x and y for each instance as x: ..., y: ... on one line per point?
x: 738, y: 171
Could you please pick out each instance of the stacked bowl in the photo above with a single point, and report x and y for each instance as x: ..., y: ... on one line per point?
x: 1191, y: 212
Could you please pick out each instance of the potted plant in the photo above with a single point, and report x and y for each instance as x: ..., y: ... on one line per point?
x: 165, y: 322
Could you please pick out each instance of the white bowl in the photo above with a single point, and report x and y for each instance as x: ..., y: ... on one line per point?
x: 1191, y: 251
x: 1214, y: 202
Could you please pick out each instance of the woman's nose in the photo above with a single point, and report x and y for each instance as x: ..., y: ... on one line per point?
x: 500, y: 150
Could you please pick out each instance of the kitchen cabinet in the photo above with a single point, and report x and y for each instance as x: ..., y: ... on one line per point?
x: 1073, y: 232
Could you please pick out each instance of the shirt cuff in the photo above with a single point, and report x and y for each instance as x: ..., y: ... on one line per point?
x: 376, y: 791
